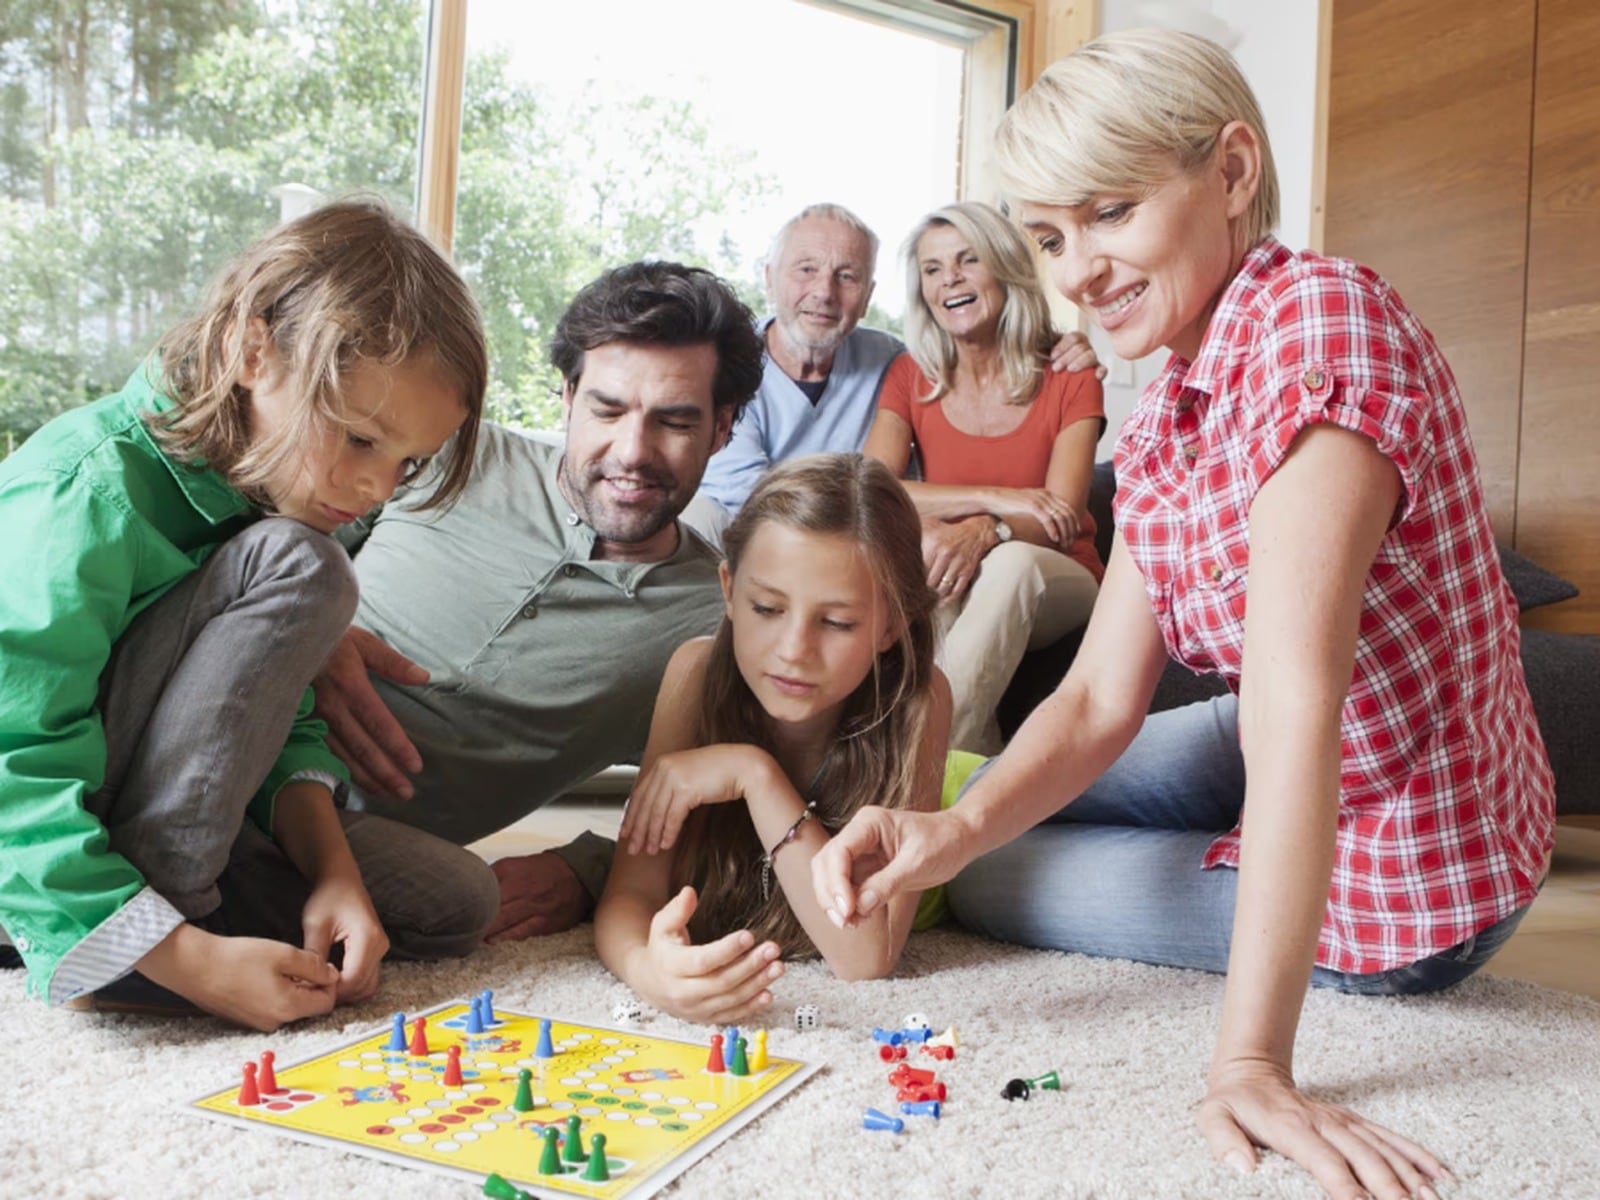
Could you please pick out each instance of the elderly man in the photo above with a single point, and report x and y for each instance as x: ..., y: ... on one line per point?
x: 823, y: 369
x: 511, y: 647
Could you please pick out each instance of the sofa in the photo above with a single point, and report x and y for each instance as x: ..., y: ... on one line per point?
x: 1563, y: 671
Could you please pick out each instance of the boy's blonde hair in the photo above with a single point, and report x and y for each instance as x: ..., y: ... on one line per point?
x: 1025, y: 332
x: 346, y: 284
x: 1120, y: 112
x: 875, y: 756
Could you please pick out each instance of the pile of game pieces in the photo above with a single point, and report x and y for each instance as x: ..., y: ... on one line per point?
x: 917, y: 1089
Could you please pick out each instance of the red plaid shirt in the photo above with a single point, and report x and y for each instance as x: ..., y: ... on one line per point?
x: 1446, y: 813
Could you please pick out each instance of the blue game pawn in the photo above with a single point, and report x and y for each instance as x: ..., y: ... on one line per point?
x: 873, y: 1119
x: 397, y: 1035
x: 730, y: 1039
x: 544, y: 1049
x: 475, y: 1016
x: 488, y: 1007
x: 920, y: 1108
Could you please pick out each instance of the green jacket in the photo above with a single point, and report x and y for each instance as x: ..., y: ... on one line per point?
x: 96, y: 524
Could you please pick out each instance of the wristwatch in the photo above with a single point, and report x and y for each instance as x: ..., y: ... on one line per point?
x: 1002, y: 530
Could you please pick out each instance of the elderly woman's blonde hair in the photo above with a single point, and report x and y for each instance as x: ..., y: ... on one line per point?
x: 1120, y: 112
x: 1025, y: 331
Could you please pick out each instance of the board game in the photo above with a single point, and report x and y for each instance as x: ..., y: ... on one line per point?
x: 658, y: 1106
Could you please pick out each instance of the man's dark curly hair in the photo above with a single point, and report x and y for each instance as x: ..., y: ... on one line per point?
x: 664, y: 304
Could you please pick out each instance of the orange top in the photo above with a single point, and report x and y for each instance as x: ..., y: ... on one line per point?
x: 1018, y: 459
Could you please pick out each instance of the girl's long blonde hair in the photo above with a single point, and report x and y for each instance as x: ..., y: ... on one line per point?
x: 347, y: 283
x: 874, y: 758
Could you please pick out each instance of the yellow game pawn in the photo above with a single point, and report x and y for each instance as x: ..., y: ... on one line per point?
x: 758, y: 1060
x: 948, y: 1038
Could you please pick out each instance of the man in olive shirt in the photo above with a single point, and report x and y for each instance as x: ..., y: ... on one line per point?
x: 510, y: 647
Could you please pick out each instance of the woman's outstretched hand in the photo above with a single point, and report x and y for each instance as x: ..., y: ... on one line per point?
x: 881, y: 853
x: 1255, y: 1103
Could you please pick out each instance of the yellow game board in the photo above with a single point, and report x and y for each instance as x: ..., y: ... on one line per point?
x: 653, y: 1098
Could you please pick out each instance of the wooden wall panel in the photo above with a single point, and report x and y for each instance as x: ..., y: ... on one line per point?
x: 1558, y: 503
x: 1427, y: 183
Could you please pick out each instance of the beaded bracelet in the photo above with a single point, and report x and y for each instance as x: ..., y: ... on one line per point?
x: 789, y: 835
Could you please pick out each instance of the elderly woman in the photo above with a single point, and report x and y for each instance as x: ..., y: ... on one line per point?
x: 1007, y: 451
x: 1372, y: 808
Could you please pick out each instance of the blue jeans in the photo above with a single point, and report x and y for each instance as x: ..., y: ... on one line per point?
x: 1117, y: 872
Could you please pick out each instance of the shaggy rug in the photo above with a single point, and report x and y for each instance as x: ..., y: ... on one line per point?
x: 1499, y: 1078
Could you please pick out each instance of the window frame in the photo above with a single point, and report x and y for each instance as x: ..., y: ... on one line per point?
x: 1007, y: 44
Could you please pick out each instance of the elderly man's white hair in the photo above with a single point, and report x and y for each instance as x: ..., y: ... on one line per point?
x: 830, y: 212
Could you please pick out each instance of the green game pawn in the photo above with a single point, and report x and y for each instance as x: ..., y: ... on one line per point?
x: 740, y: 1064
x: 572, y: 1144
x: 524, y: 1097
x: 550, y: 1156
x: 596, y: 1171
x: 497, y: 1188
x: 1050, y: 1081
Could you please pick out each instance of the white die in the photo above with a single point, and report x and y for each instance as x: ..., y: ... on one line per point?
x: 626, y: 1012
x: 807, y: 1016
x: 915, y: 1021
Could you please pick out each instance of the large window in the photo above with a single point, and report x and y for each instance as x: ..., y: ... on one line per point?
x: 597, y: 134
x: 143, y: 144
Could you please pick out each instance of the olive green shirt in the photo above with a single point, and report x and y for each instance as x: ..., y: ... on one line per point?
x: 544, y: 662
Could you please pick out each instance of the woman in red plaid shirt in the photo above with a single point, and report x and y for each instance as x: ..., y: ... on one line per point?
x: 1305, y: 449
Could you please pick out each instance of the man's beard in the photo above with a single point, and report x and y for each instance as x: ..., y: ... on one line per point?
x: 630, y: 525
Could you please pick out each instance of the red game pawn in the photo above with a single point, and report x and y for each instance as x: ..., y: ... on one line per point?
x: 452, y: 1067
x: 714, y: 1062
x: 249, y: 1093
x: 267, y: 1078
x: 419, y: 1038
x: 891, y: 1053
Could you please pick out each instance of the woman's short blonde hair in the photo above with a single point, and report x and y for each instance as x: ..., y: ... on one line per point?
x: 1025, y: 331
x: 1119, y: 112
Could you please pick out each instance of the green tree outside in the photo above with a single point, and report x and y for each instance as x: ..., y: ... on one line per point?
x: 141, y: 141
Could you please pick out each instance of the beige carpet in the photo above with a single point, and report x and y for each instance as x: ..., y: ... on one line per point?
x: 1501, y: 1079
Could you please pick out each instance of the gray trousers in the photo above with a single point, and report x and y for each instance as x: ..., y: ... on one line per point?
x: 197, y: 702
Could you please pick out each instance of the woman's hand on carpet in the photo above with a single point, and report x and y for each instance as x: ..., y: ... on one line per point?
x: 721, y: 982
x: 881, y: 853
x: 1256, y: 1103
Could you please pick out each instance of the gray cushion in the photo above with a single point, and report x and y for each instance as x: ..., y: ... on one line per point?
x: 1531, y: 584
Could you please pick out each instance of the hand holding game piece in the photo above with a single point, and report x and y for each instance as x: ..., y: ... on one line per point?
x: 539, y: 894
x: 339, y: 910
x: 255, y: 982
